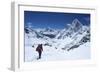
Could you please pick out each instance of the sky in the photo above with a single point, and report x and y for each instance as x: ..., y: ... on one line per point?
x: 53, y: 20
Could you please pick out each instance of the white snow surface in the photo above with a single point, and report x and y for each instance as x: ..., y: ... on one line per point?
x: 52, y: 54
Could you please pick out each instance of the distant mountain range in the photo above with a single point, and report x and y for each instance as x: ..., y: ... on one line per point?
x: 76, y: 32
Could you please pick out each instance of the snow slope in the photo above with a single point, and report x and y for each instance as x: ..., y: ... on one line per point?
x: 52, y: 54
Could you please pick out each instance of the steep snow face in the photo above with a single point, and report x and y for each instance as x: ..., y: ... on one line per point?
x: 76, y: 25
x: 68, y: 43
x: 78, y: 38
x: 71, y: 30
x: 61, y: 34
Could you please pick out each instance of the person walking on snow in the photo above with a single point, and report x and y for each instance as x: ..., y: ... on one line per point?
x: 39, y: 49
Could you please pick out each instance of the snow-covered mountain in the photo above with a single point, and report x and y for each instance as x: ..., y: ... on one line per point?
x: 58, y: 43
x: 78, y: 33
x: 72, y: 29
x: 41, y: 33
x: 68, y: 38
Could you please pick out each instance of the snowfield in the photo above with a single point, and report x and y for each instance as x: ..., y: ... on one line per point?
x: 72, y: 43
x: 51, y: 54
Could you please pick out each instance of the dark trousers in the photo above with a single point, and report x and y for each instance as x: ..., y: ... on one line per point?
x: 40, y: 52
